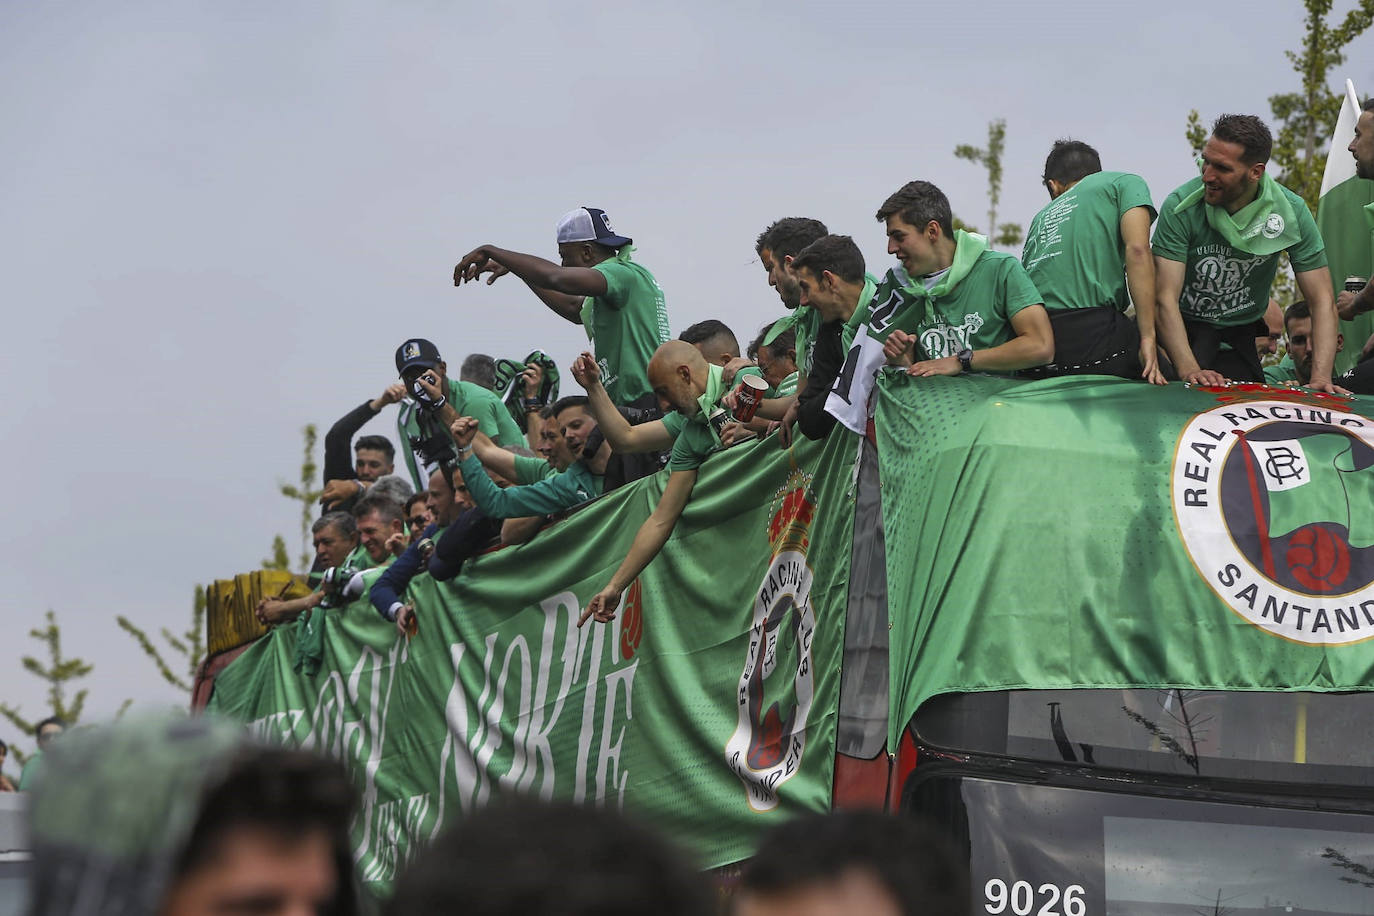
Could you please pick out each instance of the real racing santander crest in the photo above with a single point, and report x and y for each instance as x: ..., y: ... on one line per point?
x: 776, y: 686
x: 1274, y: 499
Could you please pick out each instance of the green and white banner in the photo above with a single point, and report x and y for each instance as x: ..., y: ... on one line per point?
x: 708, y: 706
x: 1091, y: 532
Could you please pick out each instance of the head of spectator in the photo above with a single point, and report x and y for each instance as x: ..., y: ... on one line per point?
x: 375, y: 456
x: 714, y: 339
x: 830, y: 274
x: 920, y: 228
x: 416, y: 357
x: 1233, y: 160
x: 183, y: 817
x: 48, y: 730
x: 552, y: 446
x: 776, y: 359
x: 523, y: 857
x: 779, y: 243
x: 393, y: 487
x: 1362, y: 147
x: 585, y: 238
x: 378, y: 518
x: 575, y: 422
x: 854, y: 862
x: 448, y: 496
x: 336, y: 536
x: 1297, y: 323
x: 678, y: 374
x: 480, y: 369
x: 417, y: 513
x: 1069, y: 162
x: 1268, y: 345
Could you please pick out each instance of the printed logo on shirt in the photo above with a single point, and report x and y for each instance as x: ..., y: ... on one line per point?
x: 945, y: 339
x: 1219, y: 284
x: 1273, y: 226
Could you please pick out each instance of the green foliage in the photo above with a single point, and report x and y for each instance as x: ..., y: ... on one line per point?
x: 279, y: 559
x: 59, y: 672
x: 309, y: 500
x: 1195, y: 133
x: 1305, y: 118
x: 190, y: 645
x: 990, y: 158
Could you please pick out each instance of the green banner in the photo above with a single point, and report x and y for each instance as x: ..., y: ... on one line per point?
x: 708, y: 706
x: 1105, y: 533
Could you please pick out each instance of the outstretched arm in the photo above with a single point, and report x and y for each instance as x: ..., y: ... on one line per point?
x: 624, y: 438
x: 561, y: 288
x: 652, y: 535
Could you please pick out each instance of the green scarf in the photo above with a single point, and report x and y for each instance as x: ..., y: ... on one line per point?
x: 791, y: 319
x: 508, y: 370
x: 1369, y: 216
x: 310, y: 625
x: 861, y: 312
x: 715, y: 390
x: 968, y: 248
x: 622, y: 254
x: 1265, y: 226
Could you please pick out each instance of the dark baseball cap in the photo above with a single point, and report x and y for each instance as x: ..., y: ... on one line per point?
x: 417, y: 352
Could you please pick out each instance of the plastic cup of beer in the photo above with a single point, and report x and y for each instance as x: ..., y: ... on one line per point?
x: 748, y: 397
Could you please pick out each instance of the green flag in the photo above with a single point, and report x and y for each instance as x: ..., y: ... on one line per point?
x: 1314, y: 480
x: 1344, y: 225
x: 708, y: 706
x: 1104, y: 533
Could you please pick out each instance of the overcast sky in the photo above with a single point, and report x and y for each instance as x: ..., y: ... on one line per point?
x: 219, y: 219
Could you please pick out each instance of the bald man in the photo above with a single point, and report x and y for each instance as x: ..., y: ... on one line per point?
x: 688, y: 385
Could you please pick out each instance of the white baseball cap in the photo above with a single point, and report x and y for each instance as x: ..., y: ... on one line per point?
x: 588, y: 224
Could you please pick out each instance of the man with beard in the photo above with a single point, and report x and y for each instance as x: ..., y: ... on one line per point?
x: 1349, y: 304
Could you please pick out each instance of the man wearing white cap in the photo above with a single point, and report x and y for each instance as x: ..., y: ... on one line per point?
x: 597, y: 286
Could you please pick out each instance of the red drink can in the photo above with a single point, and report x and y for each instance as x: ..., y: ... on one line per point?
x: 748, y: 397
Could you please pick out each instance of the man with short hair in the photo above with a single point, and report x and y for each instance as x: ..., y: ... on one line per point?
x: 776, y: 246
x: 833, y: 282
x: 1088, y: 254
x: 345, y: 481
x: 417, y: 514
x: 1297, y: 365
x: 378, y: 521
x: 1267, y: 344
x: 1349, y: 304
x: 686, y: 384
x: 480, y: 369
x: 1217, y: 247
x: 776, y: 357
x: 581, y: 481
x: 596, y: 285
x: 854, y: 862
x: 336, y: 545
x: 425, y: 375
x: 45, y: 733
x: 714, y: 339
x: 954, y: 305
x: 183, y: 816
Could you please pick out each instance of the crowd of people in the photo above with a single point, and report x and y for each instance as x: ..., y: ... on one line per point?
x: 495, y: 454
x: 187, y: 817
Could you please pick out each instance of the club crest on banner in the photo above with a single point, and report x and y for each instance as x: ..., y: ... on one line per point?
x: 777, y: 684
x: 1275, y: 504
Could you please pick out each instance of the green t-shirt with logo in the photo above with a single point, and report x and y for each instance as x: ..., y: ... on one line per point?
x: 975, y: 314
x: 625, y: 327
x: 1074, y: 253
x: 1221, y: 285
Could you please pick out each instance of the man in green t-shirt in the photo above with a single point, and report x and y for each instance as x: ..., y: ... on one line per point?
x: 615, y: 299
x: 1083, y: 252
x: 776, y: 247
x: 1217, y: 247
x: 1351, y: 304
x: 954, y: 305
x: 687, y: 385
x: 437, y: 400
